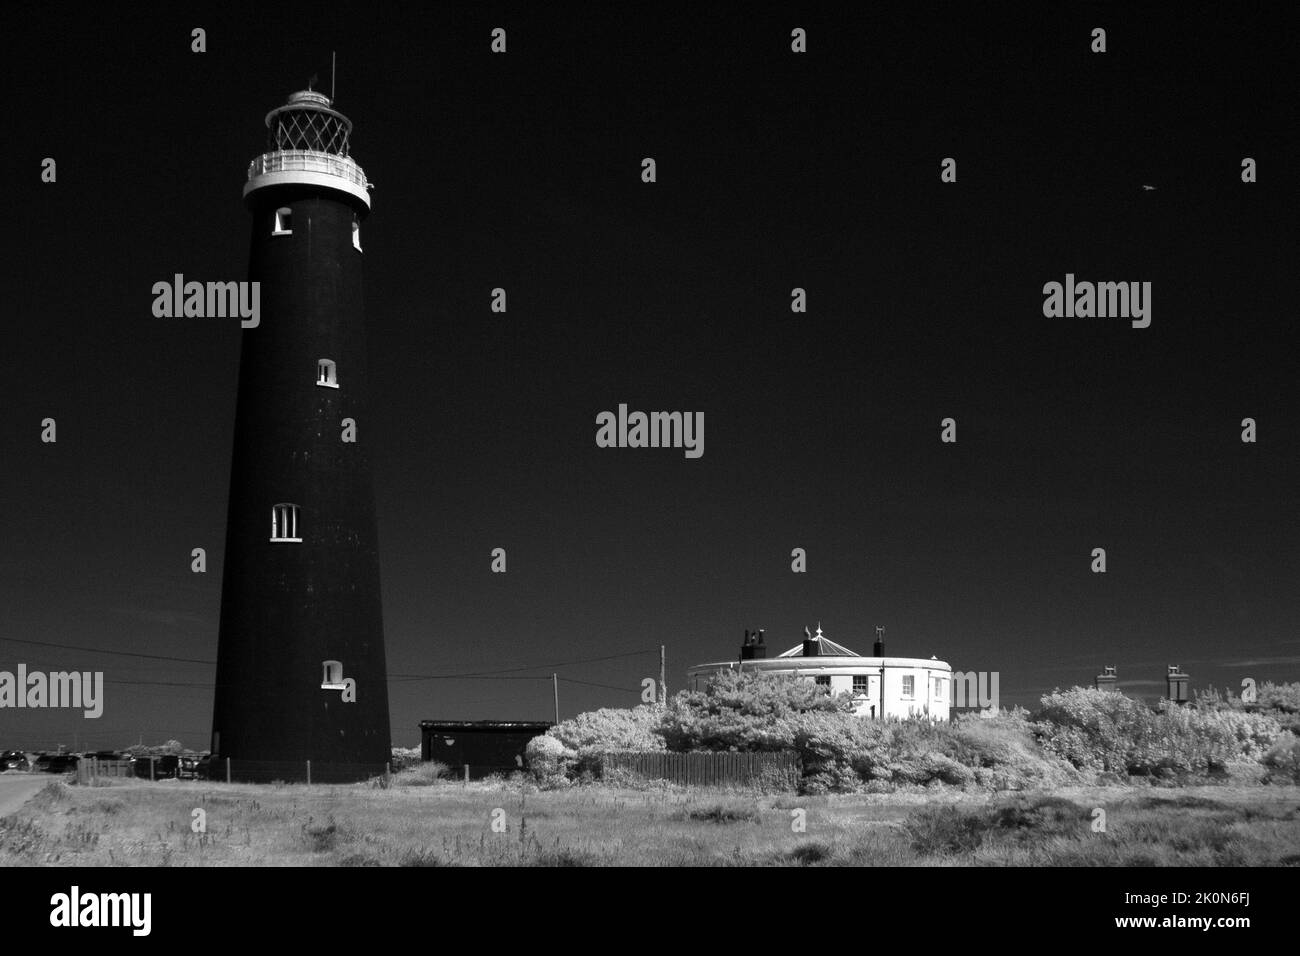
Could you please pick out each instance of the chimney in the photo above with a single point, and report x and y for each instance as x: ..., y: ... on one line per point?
x: 1107, y: 679
x: 760, y: 649
x: 809, y: 645
x: 878, y: 650
x: 1177, y: 685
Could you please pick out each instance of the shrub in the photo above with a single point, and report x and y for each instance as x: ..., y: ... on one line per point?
x: 548, y: 759
x: 422, y: 775
x: 1041, y: 818
x: 1283, y: 758
x: 1003, y: 754
x: 809, y: 853
x: 1106, y: 731
x: 611, y: 729
x: 401, y: 758
x: 722, y: 813
x: 745, y: 711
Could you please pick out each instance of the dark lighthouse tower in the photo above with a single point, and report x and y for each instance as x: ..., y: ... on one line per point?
x: 300, y: 664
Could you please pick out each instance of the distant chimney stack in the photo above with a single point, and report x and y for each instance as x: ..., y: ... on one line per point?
x: 878, y: 650
x: 1107, y: 679
x: 1177, y: 685
x: 753, y: 647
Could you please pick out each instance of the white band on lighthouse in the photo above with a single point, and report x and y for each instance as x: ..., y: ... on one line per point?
x: 309, y: 168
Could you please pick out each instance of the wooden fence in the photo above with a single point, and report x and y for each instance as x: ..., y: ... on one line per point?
x: 92, y: 768
x: 778, y: 770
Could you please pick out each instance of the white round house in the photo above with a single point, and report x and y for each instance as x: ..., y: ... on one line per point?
x: 881, y: 686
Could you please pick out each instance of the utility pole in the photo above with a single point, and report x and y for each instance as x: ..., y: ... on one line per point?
x: 663, y: 684
x: 555, y: 686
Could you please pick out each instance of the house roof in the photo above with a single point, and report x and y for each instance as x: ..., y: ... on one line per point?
x: 825, y: 648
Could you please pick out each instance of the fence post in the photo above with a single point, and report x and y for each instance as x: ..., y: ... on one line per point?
x: 388, y: 768
x: 309, y: 773
x: 151, y: 759
x: 467, y: 774
x: 227, y: 770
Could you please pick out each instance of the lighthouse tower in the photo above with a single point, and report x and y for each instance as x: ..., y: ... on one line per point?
x: 300, y: 663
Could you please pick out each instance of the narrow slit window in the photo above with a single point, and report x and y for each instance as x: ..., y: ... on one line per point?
x: 326, y: 373
x: 356, y: 233
x: 284, y: 523
x: 283, y: 222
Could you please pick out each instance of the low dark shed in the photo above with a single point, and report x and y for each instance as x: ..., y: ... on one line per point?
x: 486, y: 746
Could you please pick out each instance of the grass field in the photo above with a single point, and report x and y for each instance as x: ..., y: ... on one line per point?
x: 129, y: 823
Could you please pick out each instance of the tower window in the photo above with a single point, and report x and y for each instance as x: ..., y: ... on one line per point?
x: 283, y: 222
x: 325, y: 374
x: 332, y: 677
x: 284, y: 523
x: 909, y: 685
x: 356, y: 233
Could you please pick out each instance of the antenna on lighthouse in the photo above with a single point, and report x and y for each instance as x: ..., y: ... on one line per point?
x: 333, y: 64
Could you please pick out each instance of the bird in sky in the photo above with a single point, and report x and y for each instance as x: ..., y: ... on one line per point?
x: 1148, y: 188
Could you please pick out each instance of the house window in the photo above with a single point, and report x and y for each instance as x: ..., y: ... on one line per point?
x: 284, y: 523
x: 938, y: 687
x: 909, y: 685
x: 859, y: 683
x: 283, y: 222
x: 823, y: 680
x: 332, y: 675
x: 325, y: 374
x: 356, y: 233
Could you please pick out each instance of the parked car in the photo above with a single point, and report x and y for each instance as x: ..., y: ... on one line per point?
x: 56, y: 763
x: 13, y: 760
x: 164, y: 767
x: 194, y: 767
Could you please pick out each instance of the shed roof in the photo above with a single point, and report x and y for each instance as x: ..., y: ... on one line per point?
x: 536, y: 725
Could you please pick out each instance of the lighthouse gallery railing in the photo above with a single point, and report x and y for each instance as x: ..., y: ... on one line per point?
x: 307, y: 161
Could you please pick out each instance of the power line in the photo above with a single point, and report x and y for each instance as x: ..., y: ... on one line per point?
x: 529, y: 667
x: 587, y: 683
x: 100, y: 650
x: 393, y: 677
x: 403, y: 678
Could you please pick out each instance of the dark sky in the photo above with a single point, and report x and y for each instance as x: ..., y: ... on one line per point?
x: 775, y: 170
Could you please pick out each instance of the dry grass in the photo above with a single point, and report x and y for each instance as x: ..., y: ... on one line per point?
x: 450, y: 824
